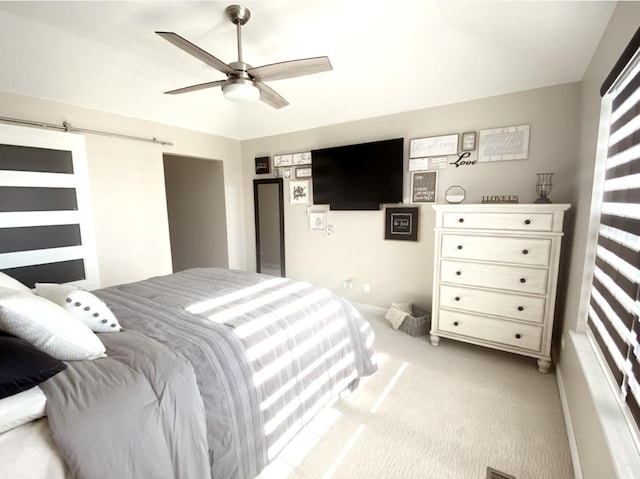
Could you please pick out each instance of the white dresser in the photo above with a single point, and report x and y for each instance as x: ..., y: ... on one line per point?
x: 495, y: 276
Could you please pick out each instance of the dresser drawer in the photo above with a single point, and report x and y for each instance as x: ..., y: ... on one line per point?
x: 499, y: 221
x: 496, y: 276
x: 528, y: 251
x: 519, y: 335
x: 525, y: 308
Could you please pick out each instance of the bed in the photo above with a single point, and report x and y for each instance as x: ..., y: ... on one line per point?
x: 215, y: 371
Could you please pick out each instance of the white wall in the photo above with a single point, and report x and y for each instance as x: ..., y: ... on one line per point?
x: 127, y: 185
x: 401, y: 270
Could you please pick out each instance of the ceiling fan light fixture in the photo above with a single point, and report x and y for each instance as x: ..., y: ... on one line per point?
x: 241, y: 91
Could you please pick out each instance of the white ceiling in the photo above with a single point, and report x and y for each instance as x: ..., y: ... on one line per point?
x: 388, y: 56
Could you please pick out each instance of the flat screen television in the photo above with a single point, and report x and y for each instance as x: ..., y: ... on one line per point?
x: 358, y: 177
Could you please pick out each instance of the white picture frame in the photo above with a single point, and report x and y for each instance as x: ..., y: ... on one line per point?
x: 304, y: 172
x: 418, y: 164
x: 434, y: 146
x: 317, y: 220
x: 506, y: 143
x: 302, y: 158
x: 282, y: 160
x: 468, y: 142
x: 299, y: 192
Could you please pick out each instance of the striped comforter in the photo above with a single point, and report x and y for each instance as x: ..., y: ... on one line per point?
x: 268, y: 353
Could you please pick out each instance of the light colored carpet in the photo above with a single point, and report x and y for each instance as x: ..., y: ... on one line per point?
x: 443, y: 412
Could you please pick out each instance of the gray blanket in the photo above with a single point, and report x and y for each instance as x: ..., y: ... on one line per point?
x: 267, y: 352
x: 136, y: 413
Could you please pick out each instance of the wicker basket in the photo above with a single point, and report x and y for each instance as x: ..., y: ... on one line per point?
x: 418, y: 322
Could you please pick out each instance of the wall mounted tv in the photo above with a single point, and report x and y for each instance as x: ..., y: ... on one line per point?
x: 358, y: 177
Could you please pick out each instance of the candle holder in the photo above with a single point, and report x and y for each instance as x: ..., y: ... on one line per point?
x: 543, y: 187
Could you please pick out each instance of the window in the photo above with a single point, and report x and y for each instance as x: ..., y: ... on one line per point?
x: 614, y: 305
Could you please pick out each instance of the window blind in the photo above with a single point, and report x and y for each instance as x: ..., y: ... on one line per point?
x: 615, y: 295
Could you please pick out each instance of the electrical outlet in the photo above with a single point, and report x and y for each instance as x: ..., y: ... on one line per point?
x: 347, y: 284
x: 367, y: 288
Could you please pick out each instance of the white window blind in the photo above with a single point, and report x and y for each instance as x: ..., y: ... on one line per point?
x: 615, y: 296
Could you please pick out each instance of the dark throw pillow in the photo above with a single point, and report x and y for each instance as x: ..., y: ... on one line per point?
x: 22, y: 366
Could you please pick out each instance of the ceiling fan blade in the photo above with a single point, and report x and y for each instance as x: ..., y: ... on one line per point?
x: 197, y: 52
x: 200, y: 86
x: 270, y: 96
x: 290, y: 69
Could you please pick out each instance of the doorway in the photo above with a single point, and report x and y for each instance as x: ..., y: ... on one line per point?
x: 196, y: 212
x: 268, y: 202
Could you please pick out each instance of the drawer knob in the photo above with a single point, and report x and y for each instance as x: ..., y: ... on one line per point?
x: 456, y: 323
x: 527, y: 222
x: 459, y: 246
x: 525, y: 251
x: 461, y: 220
x: 520, y: 308
x: 457, y: 298
x: 518, y: 336
x: 522, y: 280
x: 458, y: 273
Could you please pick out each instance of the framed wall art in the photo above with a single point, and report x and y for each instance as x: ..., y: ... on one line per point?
x: 468, y: 142
x: 401, y: 224
x: 507, y: 143
x: 302, y: 158
x: 282, y: 160
x: 317, y: 220
x: 418, y: 164
x: 303, y: 172
x: 433, y: 146
x: 263, y: 165
x: 424, y: 186
x: 299, y: 192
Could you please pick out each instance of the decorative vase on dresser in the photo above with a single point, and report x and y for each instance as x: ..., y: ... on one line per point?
x: 495, y: 276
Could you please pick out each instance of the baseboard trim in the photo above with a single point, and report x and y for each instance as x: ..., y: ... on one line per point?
x: 573, y: 445
x: 368, y: 308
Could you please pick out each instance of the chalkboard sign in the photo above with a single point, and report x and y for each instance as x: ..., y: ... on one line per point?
x: 262, y: 165
x: 424, y: 186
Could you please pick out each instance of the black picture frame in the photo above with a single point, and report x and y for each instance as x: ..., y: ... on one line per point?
x: 263, y: 165
x: 401, y: 223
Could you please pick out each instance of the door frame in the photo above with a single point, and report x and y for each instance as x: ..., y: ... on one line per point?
x: 256, y: 207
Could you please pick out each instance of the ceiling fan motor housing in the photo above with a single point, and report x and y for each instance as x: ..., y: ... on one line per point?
x: 238, y: 14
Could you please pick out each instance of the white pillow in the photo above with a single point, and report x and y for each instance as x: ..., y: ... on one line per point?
x: 82, y: 304
x: 22, y: 408
x: 47, y: 326
x: 7, y: 281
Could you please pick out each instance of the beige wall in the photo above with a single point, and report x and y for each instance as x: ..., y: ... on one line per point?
x: 592, y: 446
x: 196, y: 210
x: 400, y: 270
x: 127, y: 185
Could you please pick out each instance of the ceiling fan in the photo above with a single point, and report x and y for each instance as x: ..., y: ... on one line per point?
x: 244, y: 82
